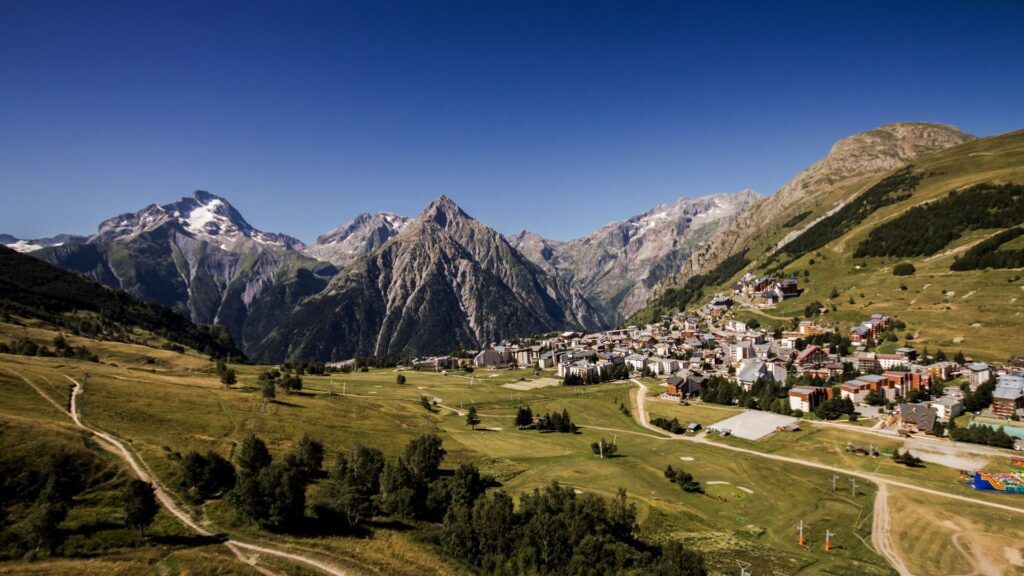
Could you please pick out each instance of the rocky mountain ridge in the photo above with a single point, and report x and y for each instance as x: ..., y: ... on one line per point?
x: 617, y: 266
x: 817, y: 190
x: 356, y: 238
x: 444, y: 281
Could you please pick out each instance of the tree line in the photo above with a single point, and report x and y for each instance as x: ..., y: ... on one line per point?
x: 33, y: 288
x: 986, y: 254
x: 549, y: 422
x: 986, y: 435
x: 889, y: 190
x: 924, y: 230
x: 61, y: 349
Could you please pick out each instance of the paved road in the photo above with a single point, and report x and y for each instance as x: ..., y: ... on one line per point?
x: 641, y: 416
x: 117, y: 446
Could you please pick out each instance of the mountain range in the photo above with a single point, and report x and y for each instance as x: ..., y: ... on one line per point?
x: 382, y: 283
x: 389, y: 284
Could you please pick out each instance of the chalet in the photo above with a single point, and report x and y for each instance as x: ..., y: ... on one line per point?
x: 809, y: 328
x: 868, y: 330
x: 684, y: 386
x: 825, y: 371
x: 766, y: 289
x: 788, y: 287
x: 1008, y: 396
x: 762, y: 350
x: 860, y: 334
x: 676, y: 385
x: 917, y: 417
x: 719, y: 305
x: 807, y: 398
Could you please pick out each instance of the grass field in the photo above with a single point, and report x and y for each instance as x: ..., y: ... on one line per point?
x: 748, y: 512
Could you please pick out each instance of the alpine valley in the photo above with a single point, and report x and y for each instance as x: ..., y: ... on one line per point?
x: 389, y: 284
x: 382, y: 283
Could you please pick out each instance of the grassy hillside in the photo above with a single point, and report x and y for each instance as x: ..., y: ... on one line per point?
x: 31, y: 288
x: 846, y: 260
x: 177, y: 405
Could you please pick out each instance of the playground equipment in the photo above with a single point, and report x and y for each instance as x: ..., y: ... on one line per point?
x: 1005, y: 482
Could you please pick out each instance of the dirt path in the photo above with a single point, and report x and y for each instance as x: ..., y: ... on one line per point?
x: 882, y: 482
x: 38, y: 390
x: 881, y: 531
x: 115, y: 445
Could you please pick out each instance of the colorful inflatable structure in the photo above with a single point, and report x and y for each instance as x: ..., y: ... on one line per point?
x: 1006, y: 482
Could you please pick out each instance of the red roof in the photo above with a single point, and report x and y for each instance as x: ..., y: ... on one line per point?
x: 807, y: 353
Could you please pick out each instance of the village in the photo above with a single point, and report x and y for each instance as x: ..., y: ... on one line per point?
x: 812, y: 370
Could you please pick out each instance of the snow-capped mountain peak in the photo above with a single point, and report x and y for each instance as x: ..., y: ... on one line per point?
x: 203, y: 215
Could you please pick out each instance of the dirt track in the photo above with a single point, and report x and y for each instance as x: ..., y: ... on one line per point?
x: 116, y: 446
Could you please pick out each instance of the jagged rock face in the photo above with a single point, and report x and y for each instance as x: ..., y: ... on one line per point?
x: 443, y: 282
x: 23, y: 245
x: 852, y: 160
x: 197, y: 256
x: 350, y: 242
x: 617, y: 266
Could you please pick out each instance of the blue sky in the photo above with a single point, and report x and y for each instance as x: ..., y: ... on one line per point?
x: 553, y: 116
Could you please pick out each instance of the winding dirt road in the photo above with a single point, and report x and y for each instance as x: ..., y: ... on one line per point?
x: 142, y: 471
x: 117, y: 446
x: 881, y: 526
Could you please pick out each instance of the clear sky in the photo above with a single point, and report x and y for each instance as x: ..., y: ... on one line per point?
x: 553, y: 116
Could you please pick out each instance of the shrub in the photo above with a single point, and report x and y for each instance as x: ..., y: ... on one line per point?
x: 903, y: 269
